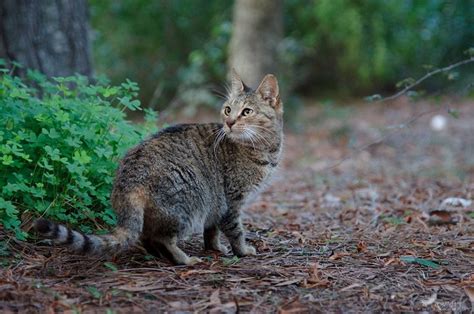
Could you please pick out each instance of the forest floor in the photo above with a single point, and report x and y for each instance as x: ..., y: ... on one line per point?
x: 389, y: 229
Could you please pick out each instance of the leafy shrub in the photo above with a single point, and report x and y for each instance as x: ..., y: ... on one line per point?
x: 60, y: 143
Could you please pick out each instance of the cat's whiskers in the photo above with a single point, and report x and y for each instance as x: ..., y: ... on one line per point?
x: 219, y: 137
x: 221, y: 94
x: 214, y: 133
x: 258, y: 137
x: 262, y: 129
x: 228, y: 90
x: 249, y: 136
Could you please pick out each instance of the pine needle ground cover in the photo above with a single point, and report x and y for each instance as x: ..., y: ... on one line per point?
x: 384, y: 231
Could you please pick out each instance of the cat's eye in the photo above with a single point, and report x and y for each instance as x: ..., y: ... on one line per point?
x: 227, y: 110
x: 246, y: 112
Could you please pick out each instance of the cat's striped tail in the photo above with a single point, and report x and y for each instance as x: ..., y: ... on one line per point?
x: 119, y: 240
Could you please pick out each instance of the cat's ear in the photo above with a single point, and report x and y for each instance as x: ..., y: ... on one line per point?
x: 269, y: 91
x: 237, y: 85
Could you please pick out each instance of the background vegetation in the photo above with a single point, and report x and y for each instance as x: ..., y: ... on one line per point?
x: 371, y: 209
x: 59, y: 153
x: 60, y: 146
x: 175, y: 49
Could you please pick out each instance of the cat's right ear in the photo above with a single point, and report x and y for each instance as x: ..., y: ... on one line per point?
x: 237, y: 85
x: 269, y: 91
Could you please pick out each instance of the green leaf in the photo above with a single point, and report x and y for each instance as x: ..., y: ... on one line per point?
x: 81, y: 157
x: 373, y: 98
x: 230, y: 261
x: 53, y: 153
x: 470, y: 52
x: 453, y: 76
x: 111, y: 266
x: 75, y: 168
x: 405, y: 82
x: 7, y: 160
x: 4, y: 251
x: 110, y: 91
x: 94, y: 292
x: 43, y: 163
x: 421, y: 261
x: 10, y: 209
x: 59, y: 148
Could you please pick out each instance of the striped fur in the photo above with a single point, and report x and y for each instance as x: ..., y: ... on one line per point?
x: 124, y: 236
x: 85, y: 244
x: 191, y: 176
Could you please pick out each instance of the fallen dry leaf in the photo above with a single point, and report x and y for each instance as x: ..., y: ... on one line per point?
x: 299, y: 236
x: 470, y: 293
x: 339, y: 255
x: 439, y: 217
x: 315, y: 279
x: 361, y: 246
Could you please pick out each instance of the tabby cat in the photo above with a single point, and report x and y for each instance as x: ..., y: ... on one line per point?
x: 191, y: 175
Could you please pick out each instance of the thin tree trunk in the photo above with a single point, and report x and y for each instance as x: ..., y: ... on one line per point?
x: 257, y: 30
x: 51, y: 36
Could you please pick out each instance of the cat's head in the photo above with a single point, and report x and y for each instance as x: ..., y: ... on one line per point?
x: 253, y: 116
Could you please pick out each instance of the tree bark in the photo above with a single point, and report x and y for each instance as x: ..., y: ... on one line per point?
x: 257, y: 30
x: 51, y: 36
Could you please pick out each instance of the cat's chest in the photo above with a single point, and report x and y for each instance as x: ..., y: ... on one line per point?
x: 250, y: 176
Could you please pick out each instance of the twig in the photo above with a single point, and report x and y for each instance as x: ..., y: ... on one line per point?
x: 426, y: 76
x: 382, y: 138
x: 405, y: 123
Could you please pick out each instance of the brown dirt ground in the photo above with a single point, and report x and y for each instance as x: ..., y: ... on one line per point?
x: 329, y: 238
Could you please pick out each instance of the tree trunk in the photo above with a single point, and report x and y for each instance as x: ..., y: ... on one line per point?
x: 257, y: 30
x: 51, y: 36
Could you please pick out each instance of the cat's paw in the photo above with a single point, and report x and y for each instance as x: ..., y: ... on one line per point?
x: 216, y: 246
x: 193, y: 260
x: 247, y: 250
x: 221, y: 248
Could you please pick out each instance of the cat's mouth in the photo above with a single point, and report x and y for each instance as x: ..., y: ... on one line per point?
x: 239, y: 134
x: 234, y: 133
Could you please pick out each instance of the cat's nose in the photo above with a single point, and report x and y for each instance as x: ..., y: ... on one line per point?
x: 230, y: 122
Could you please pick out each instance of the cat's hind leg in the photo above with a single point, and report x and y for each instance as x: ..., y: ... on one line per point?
x: 212, y: 241
x: 153, y: 248
x: 168, y: 247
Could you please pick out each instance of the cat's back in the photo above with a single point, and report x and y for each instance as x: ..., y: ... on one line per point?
x: 190, y: 142
x: 170, y: 153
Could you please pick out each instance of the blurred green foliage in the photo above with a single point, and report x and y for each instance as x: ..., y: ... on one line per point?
x: 372, y: 44
x: 177, y: 50
x: 166, y: 46
x: 60, y: 146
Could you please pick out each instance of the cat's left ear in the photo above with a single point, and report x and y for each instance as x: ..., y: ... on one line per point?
x: 237, y: 85
x: 269, y: 91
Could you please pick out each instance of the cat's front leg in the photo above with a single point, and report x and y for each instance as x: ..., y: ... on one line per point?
x: 234, y: 231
